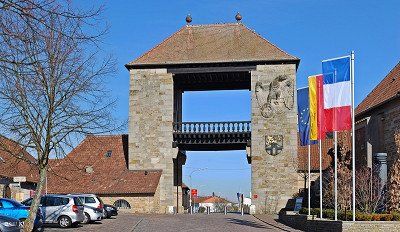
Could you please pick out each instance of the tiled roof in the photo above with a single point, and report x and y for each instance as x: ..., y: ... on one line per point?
x: 214, y: 43
x: 387, y: 89
x: 15, y: 161
x: 344, y: 139
x: 210, y: 199
x: 89, y: 169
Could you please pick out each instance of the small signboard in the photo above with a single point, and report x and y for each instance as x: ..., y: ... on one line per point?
x: 298, y: 204
x: 194, y: 192
x: 19, y: 179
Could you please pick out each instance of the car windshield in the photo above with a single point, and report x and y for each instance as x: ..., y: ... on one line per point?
x: 77, y: 201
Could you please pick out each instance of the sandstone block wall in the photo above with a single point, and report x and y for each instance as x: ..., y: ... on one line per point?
x: 274, y: 178
x: 150, y: 128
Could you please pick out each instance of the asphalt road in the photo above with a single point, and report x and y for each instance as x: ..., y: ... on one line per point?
x: 183, y: 222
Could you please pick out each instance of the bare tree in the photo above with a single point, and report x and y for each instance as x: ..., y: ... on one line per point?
x: 51, y: 80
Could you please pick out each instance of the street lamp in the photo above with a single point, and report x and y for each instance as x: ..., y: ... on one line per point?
x: 190, y: 180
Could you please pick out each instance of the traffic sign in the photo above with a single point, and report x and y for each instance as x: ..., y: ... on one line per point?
x: 19, y: 179
x: 194, y: 192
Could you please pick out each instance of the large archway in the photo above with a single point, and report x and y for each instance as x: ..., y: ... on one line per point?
x: 215, y: 57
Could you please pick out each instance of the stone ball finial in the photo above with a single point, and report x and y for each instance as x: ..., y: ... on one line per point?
x: 238, y: 17
x: 188, y: 19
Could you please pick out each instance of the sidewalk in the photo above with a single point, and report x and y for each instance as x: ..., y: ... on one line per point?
x: 272, y: 220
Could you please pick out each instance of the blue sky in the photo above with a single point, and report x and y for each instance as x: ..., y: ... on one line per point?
x: 312, y: 30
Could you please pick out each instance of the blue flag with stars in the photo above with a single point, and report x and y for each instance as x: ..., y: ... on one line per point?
x: 303, y: 109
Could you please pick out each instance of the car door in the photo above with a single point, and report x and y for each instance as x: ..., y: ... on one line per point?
x: 50, y: 209
x: 9, y: 209
x: 3, y: 211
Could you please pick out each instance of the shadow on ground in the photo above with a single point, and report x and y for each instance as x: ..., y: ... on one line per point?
x: 246, y: 223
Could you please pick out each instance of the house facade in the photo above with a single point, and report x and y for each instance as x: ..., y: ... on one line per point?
x: 378, y: 124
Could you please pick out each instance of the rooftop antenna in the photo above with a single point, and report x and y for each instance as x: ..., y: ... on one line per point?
x: 188, y: 19
x: 238, y: 17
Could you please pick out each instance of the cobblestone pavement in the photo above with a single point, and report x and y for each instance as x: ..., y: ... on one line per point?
x: 183, y: 222
x: 122, y: 223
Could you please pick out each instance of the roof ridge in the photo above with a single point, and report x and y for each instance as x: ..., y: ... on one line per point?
x: 214, y: 24
x: 257, y: 34
x: 372, y: 105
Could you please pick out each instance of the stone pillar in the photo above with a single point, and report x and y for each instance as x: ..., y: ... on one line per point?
x: 151, y: 100
x: 274, y: 116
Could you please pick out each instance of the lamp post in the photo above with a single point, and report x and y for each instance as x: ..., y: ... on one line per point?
x: 190, y: 180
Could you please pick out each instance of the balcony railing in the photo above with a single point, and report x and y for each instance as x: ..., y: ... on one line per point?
x: 212, y: 127
x: 212, y: 135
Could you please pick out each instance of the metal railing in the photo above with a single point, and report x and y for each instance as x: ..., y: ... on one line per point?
x: 212, y: 127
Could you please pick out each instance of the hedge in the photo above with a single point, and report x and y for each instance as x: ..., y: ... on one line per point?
x: 330, y: 214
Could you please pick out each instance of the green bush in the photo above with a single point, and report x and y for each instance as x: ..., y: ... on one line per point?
x: 330, y: 214
x: 396, y: 216
x: 202, y: 209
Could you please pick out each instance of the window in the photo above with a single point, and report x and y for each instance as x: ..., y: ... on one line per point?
x: 2, y: 160
x: 7, y: 204
x: 122, y: 204
x: 78, y: 201
x: 90, y: 200
x: 108, y: 154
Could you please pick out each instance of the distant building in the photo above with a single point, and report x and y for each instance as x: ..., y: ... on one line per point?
x: 16, y: 162
x: 215, y: 203
x: 99, y: 165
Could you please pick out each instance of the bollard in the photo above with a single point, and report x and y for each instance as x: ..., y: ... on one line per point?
x: 225, y: 210
x: 241, y: 210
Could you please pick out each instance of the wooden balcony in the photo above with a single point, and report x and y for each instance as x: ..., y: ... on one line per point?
x: 211, y: 136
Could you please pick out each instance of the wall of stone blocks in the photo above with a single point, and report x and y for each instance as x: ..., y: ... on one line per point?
x: 150, y: 128
x: 274, y: 179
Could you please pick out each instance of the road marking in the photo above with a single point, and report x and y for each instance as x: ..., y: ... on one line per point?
x: 137, y: 223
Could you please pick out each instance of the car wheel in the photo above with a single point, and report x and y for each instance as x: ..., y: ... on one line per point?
x: 86, y: 220
x: 64, y: 222
x: 105, y: 214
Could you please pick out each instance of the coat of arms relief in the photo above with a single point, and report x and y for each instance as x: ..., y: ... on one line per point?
x: 275, y: 97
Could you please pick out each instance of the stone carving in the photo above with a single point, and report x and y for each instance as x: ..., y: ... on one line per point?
x: 273, y: 144
x: 277, y: 96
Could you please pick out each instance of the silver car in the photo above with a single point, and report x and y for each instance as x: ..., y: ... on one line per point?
x: 91, y: 213
x: 91, y: 200
x: 65, y: 210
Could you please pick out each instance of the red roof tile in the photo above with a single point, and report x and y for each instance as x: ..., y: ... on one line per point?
x: 387, y: 89
x: 210, y: 199
x: 214, y: 43
x: 15, y: 161
x: 110, y: 175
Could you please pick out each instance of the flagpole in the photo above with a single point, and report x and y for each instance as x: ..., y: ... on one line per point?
x: 353, y: 137
x: 336, y: 179
x: 309, y: 179
x: 320, y: 178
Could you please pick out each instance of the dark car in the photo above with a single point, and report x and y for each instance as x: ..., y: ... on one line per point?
x: 8, y: 224
x: 18, y: 211
x: 110, y: 210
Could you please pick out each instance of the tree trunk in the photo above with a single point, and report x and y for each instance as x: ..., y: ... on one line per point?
x: 29, y: 223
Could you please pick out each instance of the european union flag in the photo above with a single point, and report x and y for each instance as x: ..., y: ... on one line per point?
x: 303, y: 108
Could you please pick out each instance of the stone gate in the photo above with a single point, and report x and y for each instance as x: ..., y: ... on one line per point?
x: 215, y: 57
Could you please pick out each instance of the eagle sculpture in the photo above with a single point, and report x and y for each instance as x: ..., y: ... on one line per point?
x: 275, y: 97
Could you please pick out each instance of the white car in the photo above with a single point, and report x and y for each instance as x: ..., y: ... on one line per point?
x: 65, y: 210
x: 93, y: 206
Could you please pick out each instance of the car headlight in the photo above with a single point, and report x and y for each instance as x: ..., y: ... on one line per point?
x: 10, y: 224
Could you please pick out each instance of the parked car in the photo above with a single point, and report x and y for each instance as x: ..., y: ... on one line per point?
x: 91, y: 213
x: 110, y: 210
x: 9, y: 224
x: 65, y: 210
x: 18, y: 211
x: 92, y: 200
